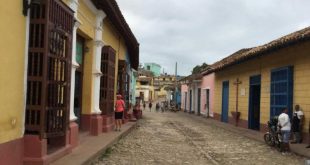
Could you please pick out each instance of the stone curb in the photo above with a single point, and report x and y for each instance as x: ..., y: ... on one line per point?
x: 103, y: 150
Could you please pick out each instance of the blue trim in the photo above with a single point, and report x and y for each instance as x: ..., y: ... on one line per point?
x: 281, y: 90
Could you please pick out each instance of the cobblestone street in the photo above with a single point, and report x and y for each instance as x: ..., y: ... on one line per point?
x: 176, y: 138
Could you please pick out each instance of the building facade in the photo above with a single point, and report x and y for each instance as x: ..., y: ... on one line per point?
x: 255, y: 84
x: 207, y: 95
x: 164, y: 85
x: 145, y: 85
x: 70, y: 60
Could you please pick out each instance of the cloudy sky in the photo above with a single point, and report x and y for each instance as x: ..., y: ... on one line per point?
x: 191, y: 32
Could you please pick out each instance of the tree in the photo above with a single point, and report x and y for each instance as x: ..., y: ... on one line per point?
x: 199, y: 68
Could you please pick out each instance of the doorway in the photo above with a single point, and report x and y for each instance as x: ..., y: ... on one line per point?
x: 185, y: 102
x: 225, y: 101
x: 79, y: 79
x: 198, y: 101
x: 190, y: 101
x: 207, y: 105
x: 254, y: 102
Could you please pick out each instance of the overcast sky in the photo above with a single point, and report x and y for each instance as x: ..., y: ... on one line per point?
x: 191, y: 32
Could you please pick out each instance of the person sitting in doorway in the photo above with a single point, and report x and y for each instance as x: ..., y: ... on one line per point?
x: 297, y: 123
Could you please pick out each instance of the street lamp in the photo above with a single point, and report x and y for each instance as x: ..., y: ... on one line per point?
x: 27, y: 5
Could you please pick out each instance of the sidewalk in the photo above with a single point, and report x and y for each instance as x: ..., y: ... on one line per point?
x: 91, y: 147
x: 299, y: 149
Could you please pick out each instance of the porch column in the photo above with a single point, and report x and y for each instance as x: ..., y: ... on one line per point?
x: 73, y: 127
x: 75, y: 65
x: 74, y: 4
x: 97, y: 61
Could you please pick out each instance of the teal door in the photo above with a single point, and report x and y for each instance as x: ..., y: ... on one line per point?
x: 225, y: 101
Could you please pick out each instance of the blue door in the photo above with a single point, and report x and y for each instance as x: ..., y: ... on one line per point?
x: 198, y: 101
x: 225, y: 99
x: 281, y: 90
x: 190, y: 101
x: 254, y: 102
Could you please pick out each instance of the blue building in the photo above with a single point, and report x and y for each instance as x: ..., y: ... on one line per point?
x: 153, y: 67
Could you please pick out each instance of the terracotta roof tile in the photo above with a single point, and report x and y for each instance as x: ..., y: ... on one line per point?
x: 249, y: 53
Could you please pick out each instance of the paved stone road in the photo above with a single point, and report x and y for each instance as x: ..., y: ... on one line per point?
x: 176, y: 138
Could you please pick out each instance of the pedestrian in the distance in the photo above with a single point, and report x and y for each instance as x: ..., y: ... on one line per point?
x: 297, y: 123
x: 119, y: 110
x: 150, y: 106
x: 162, y: 107
x: 144, y: 105
x: 285, y: 127
x: 136, y: 110
x: 157, y: 107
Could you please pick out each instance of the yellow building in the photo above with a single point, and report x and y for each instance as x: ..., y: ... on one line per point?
x: 12, y: 83
x: 69, y: 59
x: 257, y: 83
x: 145, y: 85
x: 163, y: 84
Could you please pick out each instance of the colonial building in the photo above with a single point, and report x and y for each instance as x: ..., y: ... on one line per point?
x: 164, y: 85
x: 197, y: 94
x: 145, y: 85
x: 70, y: 59
x: 191, y: 93
x: 255, y: 84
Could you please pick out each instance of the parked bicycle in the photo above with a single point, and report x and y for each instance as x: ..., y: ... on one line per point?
x: 273, y: 135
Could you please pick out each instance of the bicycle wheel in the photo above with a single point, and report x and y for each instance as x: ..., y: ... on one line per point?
x: 268, y: 139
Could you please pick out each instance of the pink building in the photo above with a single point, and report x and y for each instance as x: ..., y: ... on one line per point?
x: 184, y: 97
x: 197, y: 94
x: 207, y: 94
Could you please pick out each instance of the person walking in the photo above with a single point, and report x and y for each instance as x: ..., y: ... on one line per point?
x: 144, y: 105
x: 297, y: 123
x: 285, y: 127
x: 150, y: 106
x: 119, y: 111
x: 157, y: 107
x: 136, y: 110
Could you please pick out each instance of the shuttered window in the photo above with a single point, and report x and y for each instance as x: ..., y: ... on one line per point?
x: 49, y: 69
x: 281, y: 90
x: 107, y: 80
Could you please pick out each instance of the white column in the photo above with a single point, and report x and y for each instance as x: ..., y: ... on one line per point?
x: 74, y: 6
x: 97, y: 61
x: 25, y: 71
